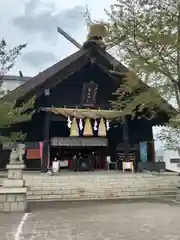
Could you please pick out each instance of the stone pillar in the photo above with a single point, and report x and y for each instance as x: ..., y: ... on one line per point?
x: 13, y: 192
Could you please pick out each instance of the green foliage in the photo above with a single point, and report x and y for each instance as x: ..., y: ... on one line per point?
x: 135, y: 98
x: 14, y: 137
x: 7, y: 59
x: 170, y: 136
x: 87, y: 17
x: 146, y: 34
x: 9, y: 114
x: 8, y: 56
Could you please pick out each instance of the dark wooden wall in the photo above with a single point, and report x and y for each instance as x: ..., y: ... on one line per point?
x: 68, y: 93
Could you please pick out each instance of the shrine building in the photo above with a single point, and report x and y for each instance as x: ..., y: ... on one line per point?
x: 73, y: 116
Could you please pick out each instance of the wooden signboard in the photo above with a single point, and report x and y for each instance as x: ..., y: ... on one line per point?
x: 79, y: 142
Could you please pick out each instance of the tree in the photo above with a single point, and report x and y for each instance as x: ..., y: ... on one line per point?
x: 146, y: 37
x: 8, y: 56
x: 9, y: 114
x: 134, y: 98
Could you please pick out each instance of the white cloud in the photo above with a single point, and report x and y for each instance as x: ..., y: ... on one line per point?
x: 35, y: 22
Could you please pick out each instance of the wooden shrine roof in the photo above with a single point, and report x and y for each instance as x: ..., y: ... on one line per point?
x: 66, y: 67
x: 36, y: 82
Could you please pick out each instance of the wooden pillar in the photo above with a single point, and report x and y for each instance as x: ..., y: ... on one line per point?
x: 126, y: 139
x: 46, y: 144
x: 151, y: 147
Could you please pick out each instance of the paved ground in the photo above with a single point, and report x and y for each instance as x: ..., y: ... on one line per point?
x: 95, y: 221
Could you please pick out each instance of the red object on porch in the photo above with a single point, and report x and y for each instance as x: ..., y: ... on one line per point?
x: 33, y: 154
x: 41, y: 149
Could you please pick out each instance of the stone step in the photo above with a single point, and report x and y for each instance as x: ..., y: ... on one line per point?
x: 117, y: 187
x: 100, y: 194
x: 102, y: 174
x: 50, y: 179
x: 69, y: 193
x: 64, y: 181
x: 103, y: 193
x: 100, y: 180
x: 100, y: 177
x: 93, y: 197
x: 75, y: 188
x: 104, y: 186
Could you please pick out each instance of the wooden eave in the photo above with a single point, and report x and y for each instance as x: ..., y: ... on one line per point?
x: 44, y: 79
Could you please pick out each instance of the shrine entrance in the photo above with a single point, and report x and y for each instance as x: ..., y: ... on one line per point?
x: 78, y: 138
x: 80, y: 154
x: 88, y: 136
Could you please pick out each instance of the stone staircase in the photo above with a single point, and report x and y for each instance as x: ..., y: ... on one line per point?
x: 102, y: 185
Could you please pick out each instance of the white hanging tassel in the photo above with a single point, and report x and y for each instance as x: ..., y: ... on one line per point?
x: 107, y: 124
x: 69, y: 122
x: 80, y: 124
x: 95, y: 125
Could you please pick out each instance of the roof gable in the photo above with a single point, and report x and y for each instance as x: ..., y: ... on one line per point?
x: 31, y: 86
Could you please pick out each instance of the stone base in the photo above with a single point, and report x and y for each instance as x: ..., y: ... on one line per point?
x: 13, y: 199
x: 15, y: 170
x: 9, y: 183
x: 15, y: 166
